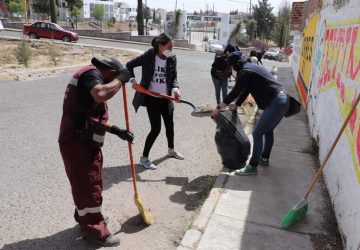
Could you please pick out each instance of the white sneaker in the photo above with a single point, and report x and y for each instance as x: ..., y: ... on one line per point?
x: 176, y: 155
x: 146, y: 163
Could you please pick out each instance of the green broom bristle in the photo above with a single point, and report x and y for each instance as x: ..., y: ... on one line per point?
x: 295, y: 214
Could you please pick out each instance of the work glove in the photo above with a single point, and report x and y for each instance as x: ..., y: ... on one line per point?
x: 122, y: 133
x: 123, y: 76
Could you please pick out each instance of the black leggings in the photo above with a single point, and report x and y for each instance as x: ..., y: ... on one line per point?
x: 157, y: 107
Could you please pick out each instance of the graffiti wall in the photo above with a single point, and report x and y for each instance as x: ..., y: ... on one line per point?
x: 306, y: 57
x: 328, y: 82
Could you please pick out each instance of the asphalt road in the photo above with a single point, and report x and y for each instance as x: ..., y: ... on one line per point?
x: 36, y: 204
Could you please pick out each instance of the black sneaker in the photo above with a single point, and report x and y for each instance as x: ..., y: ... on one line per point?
x: 264, y: 161
x: 107, y: 241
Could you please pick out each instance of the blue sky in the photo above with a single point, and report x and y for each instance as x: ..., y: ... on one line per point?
x: 219, y: 5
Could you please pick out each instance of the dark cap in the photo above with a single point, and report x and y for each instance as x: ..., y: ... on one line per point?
x: 235, y: 57
x: 110, y: 63
x: 122, y: 73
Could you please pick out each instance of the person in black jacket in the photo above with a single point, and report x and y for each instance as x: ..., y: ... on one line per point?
x: 269, y: 96
x: 220, y: 72
x: 158, y: 75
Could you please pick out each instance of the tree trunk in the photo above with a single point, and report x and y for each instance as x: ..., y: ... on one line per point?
x: 52, y: 11
x: 140, y: 18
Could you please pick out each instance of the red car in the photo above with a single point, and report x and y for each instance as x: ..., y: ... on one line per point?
x: 48, y: 30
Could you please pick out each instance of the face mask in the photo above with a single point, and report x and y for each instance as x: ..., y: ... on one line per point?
x: 167, y: 53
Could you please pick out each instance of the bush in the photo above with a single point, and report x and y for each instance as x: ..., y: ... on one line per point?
x: 53, y: 54
x: 205, y: 39
x: 23, y: 53
x: 259, y: 44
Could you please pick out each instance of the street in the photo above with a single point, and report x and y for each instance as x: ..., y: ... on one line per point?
x: 37, y: 206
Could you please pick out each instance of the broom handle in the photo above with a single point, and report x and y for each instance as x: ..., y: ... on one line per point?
x: 129, y: 143
x: 318, y: 173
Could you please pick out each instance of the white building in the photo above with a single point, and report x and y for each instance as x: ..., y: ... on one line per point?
x: 124, y: 11
x: 89, y: 6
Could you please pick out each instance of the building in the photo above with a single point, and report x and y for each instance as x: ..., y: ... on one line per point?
x: 124, y: 12
x: 89, y: 6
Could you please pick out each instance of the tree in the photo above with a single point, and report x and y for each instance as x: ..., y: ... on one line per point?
x: 235, y: 32
x: 75, y: 3
x: 154, y: 15
x: 251, y: 26
x: 147, y: 16
x: 16, y: 6
x: 52, y: 11
x: 41, y: 6
x: 264, y: 18
x: 98, y: 12
x: 75, y: 13
x: 140, y: 18
x: 280, y: 33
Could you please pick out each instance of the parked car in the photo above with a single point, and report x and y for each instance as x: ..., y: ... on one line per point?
x: 1, y: 26
x: 274, y: 54
x: 48, y: 30
x: 214, y: 46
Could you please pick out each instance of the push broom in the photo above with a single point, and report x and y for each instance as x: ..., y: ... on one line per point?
x: 300, y: 209
x: 141, y: 89
x: 145, y: 213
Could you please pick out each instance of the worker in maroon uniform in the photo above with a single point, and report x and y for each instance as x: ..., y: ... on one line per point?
x: 82, y: 130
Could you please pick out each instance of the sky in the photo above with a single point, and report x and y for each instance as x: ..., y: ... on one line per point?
x: 223, y: 6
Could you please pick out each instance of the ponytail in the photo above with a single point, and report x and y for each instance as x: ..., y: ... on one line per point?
x: 161, y: 39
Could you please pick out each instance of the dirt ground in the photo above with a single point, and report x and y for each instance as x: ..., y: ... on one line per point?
x: 40, y: 63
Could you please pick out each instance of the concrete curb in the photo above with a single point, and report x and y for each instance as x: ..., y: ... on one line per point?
x: 111, y: 40
x: 46, y: 70
x: 193, y: 235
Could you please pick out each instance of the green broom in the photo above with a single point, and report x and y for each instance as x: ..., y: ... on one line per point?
x: 299, y: 211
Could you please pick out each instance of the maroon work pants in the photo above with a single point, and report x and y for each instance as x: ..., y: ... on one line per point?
x: 83, y: 165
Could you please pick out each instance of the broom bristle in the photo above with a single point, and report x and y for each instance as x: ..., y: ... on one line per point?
x: 295, y: 214
x: 146, y: 215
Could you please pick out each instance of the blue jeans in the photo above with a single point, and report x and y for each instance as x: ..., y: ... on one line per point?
x: 265, y: 126
x: 220, y: 85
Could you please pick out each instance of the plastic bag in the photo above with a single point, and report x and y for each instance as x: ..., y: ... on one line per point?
x: 231, y: 141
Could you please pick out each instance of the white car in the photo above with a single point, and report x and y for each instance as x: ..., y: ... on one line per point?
x: 1, y: 26
x: 214, y: 46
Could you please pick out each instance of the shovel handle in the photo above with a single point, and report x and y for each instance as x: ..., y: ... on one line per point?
x: 318, y: 173
x: 129, y: 143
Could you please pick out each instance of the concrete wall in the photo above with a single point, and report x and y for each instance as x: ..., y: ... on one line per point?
x: 327, y: 75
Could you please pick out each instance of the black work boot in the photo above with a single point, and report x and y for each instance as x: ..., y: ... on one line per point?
x: 107, y: 241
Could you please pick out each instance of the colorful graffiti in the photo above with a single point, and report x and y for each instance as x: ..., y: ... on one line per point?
x: 307, y: 45
x: 340, y: 70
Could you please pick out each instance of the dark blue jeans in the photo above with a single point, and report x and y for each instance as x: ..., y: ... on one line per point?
x: 265, y: 126
x: 220, y: 85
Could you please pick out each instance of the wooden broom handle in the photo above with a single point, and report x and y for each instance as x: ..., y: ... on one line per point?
x: 318, y: 173
x: 129, y: 143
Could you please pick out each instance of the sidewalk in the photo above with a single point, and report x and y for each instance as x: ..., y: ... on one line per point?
x: 244, y: 212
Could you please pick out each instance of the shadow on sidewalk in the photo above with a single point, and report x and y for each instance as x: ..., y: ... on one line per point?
x: 193, y: 193
x: 67, y: 239
x: 115, y: 175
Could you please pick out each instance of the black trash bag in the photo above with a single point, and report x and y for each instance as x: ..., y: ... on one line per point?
x: 232, y: 143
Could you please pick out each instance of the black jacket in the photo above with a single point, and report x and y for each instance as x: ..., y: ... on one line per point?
x: 147, y: 61
x: 257, y: 81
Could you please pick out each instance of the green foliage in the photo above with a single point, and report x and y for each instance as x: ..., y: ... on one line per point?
x: 75, y: 3
x: 98, y: 12
x: 23, y: 53
x: 41, y: 6
x: 264, y: 18
x: 205, y: 39
x: 235, y: 32
x: 281, y: 33
x: 75, y: 12
x: 16, y: 6
x: 251, y: 26
x: 110, y: 22
x: 53, y: 54
x: 52, y: 11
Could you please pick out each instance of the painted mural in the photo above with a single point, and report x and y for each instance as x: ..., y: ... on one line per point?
x: 340, y: 70
x: 306, y: 56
